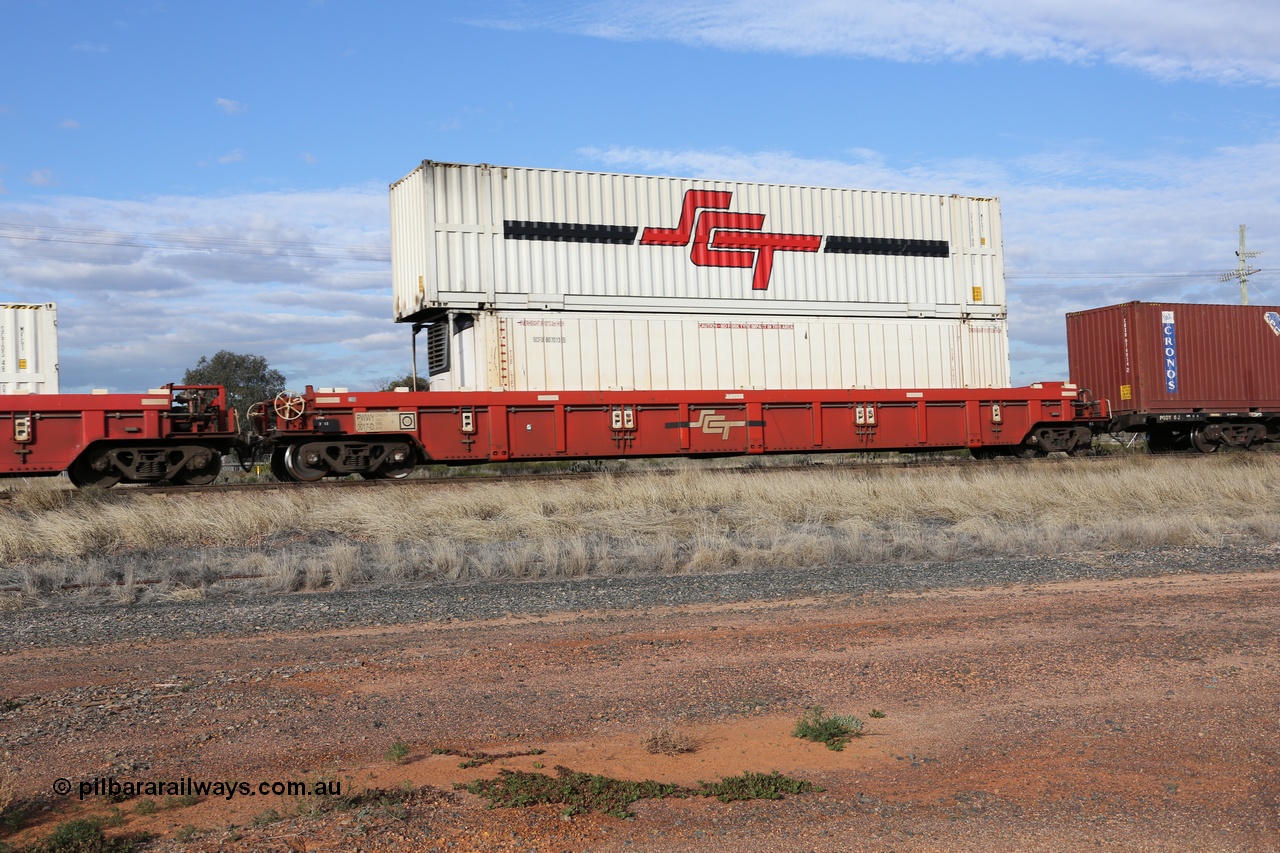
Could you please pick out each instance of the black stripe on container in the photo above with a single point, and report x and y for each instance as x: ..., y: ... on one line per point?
x: 569, y: 232
x: 888, y: 246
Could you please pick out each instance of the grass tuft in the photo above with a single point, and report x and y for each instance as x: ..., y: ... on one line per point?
x: 835, y: 731
x: 397, y: 752
x: 666, y: 740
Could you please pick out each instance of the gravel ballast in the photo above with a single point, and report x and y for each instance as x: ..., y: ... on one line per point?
x: 70, y: 621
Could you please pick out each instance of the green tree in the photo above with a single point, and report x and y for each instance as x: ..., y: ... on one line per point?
x: 247, y: 378
x: 405, y: 381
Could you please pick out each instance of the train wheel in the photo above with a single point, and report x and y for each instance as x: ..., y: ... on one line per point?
x: 200, y: 476
x: 303, y: 466
x: 277, y: 465
x: 398, y: 465
x: 1202, y: 444
x: 1025, y: 452
x: 1160, y: 441
x: 83, y: 474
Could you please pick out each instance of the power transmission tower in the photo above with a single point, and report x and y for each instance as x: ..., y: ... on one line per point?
x: 1244, y: 271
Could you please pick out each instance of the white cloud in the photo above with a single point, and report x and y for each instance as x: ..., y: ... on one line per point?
x: 40, y: 178
x: 146, y: 287
x: 1226, y: 41
x: 1158, y: 229
x: 309, y: 158
x: 229, y: 106
x: 69, y: 124
x: 235, y: 156
x: 89, y: 47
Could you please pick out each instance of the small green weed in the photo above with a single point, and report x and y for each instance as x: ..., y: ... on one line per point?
x: 188, y: 833
x: 876, y: 714
x: 145, y: 807
x: 265, y: 818
x: 835, y: 731
x: 180, y: 802
x: 579, y: 792
x: 385, y: 802
x: 754, y: 786
x: 584, y: 792
x: 479, y: 759
x: 390, y: 803
x: 84, y: 835
x: 397, y: 753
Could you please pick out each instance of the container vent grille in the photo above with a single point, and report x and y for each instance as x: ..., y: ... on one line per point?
x: 438, y: 349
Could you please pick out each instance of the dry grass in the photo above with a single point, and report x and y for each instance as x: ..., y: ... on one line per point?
x: 666, y: 740
x: 696, y: 520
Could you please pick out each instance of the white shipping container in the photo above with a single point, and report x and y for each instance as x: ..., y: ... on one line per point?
x: 602, y: 351
x: 494, y: 237
x: 28, y: 348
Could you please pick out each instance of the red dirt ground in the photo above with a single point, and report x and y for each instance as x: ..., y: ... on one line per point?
x: 1132, y: 715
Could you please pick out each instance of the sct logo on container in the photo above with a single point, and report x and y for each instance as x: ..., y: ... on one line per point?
x: 1169, y: 348
x: 720, y: 238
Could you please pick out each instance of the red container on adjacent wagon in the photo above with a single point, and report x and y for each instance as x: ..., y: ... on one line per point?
x: 1169, y: 357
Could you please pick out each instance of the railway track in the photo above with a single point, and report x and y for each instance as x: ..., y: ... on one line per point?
x: 129, y: 492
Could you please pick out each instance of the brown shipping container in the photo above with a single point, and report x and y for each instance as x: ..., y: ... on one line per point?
x: 1168, y: 358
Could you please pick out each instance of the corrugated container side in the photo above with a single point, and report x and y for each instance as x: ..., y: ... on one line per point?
x: 1169, y: 357
x: 512, y: 238
x: 28, y: 348
x: 592, y: 351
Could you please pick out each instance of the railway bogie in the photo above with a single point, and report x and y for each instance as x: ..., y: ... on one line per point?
x: 1209, y: 435
x: 175, y: 433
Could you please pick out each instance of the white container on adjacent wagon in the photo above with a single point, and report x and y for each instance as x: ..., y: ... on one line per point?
x: 28, y: 348
x: 468, y: 237
x: 602, y: 351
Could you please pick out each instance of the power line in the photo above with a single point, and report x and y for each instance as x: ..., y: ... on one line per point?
x: 1242, y: 273
x: 1096, y: 274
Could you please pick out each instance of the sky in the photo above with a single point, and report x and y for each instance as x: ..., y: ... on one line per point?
x: 184, y: 177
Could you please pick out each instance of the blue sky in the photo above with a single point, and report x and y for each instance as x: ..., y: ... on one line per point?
x: 184, y: 177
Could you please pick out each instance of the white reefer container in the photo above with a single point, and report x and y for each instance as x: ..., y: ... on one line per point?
x: 601, y: 351
x: 496, y: 237
x: 28, y: 348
